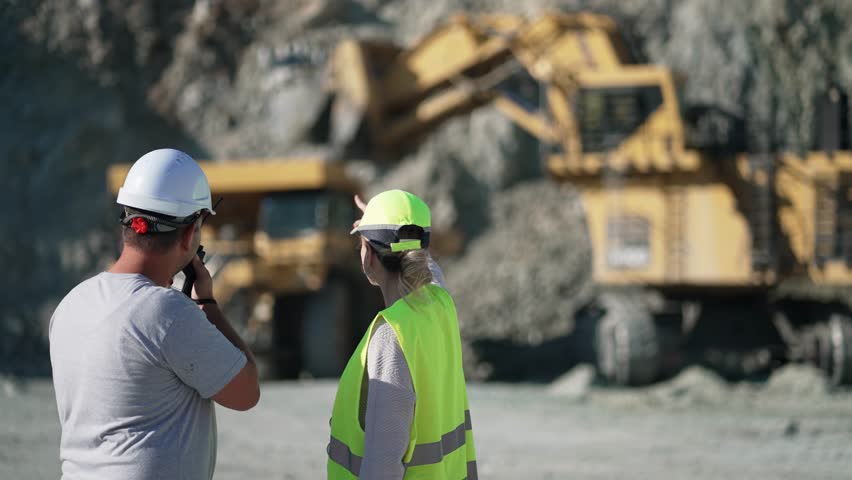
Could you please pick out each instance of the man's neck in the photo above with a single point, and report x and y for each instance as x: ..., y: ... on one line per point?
x: 155, y: 267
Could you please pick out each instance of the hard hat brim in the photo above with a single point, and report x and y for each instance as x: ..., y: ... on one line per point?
x: 171, y: 208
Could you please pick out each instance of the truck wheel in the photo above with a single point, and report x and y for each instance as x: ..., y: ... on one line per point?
x: 626, y: 342
x: 840, y: 335
x: 326, y: 330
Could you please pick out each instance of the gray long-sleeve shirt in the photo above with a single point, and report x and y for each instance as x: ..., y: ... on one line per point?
x: 387, y: 402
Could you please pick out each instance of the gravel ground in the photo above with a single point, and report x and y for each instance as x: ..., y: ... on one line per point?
x: 690, y: 427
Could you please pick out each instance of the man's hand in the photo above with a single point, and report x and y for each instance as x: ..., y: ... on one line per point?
x: 203, y: 287
x: 361, y: 206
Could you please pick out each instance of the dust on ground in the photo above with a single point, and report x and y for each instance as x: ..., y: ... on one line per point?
x: 693, y: 426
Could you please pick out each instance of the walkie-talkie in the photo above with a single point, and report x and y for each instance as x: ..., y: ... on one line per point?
x: 189, y: 273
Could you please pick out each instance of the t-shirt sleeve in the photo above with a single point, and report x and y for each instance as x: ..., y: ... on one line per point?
x: 198, y: 353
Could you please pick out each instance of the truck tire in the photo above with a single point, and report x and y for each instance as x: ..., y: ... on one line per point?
x: 840, y: 335
x: 326, y: 330
x: 627, y: 348
x: 259, y: 337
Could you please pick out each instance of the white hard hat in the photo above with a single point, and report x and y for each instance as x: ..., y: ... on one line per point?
x: 168, y: 182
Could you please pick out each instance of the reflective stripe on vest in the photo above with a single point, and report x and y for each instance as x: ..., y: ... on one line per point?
x: 471, y: 471
x: 340, y: 453
x: 424, y: 453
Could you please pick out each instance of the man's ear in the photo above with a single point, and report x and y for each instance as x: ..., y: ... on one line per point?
x: 186, y: 237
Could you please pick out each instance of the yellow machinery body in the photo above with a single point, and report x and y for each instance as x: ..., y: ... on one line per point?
x: 706, y: 227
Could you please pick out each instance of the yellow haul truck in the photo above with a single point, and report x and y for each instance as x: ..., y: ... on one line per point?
x: 285, y: 268
x: 745, y: 257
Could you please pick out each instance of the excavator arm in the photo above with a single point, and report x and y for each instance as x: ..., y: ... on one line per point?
x: 568, y: 80
x: 385, y: 95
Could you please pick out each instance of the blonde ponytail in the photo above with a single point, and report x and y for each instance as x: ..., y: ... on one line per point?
x: 414, y: 271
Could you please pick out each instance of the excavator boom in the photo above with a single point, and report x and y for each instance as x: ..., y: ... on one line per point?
x: 385, y: 95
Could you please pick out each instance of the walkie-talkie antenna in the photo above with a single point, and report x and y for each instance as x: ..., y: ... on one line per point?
x: 207, y: 214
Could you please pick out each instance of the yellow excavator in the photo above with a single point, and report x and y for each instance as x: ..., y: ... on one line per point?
x: 284, y: 264
x: 692, y: 246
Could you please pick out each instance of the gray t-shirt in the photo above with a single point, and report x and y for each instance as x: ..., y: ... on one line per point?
x: 134, y: 367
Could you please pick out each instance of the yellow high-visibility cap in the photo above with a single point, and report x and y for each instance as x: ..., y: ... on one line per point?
x: 391, y: 210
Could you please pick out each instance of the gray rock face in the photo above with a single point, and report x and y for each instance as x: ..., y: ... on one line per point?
x: 524, y: 276
x: 520, y: 282
x: 462, y: 165
x: 66, y: 117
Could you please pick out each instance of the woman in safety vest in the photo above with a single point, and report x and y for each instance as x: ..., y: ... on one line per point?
x: 401, y: 409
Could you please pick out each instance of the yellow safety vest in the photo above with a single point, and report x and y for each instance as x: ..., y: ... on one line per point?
x: 441, y: 441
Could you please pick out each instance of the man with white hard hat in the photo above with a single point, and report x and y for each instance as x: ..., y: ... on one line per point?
x: 137, y: 365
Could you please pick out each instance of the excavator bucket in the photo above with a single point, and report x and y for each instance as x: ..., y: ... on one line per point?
x: 384, y: 96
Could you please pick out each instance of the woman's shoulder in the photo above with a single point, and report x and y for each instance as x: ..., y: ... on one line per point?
x: 437, y: 274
